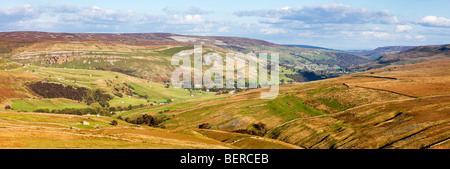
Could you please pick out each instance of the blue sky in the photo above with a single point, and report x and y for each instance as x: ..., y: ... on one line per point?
x: 338, y: 24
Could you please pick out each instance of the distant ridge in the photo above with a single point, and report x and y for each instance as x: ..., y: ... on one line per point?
x: 309, y: 47
x: 414, y: 55
x: 380, y: 51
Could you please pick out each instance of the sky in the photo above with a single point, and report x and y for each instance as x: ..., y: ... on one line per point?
x: 337, y: 24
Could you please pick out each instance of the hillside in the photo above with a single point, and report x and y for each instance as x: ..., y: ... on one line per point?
x: 308, y: 46
x: 378, y: 52
x: 51, y: 82
x: 43, y: 131
x: 34, y: 121
x: 414, y: 55
x: 147, y: 55
x: 392, y: 107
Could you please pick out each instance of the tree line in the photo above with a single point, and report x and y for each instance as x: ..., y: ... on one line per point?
x: 103, y: 111
x: 258, y: 129
x: 81, y: 94
x: 149, y: 120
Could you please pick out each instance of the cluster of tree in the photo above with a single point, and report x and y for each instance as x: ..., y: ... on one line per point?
x: 92, y: 96
x: 258, y: 129
x: 131, y: 88
x: 104, y: 111
x: 290, y: 81
x: 119, y: 88
x: 149, y: 120
x: 223, y: 92
x: 81, y: 94
x: 305, y: 76
x: 114, y: 123
x: 124, y: 71
x: 84, y: 111
x: 52, y: 90
x: 118, y: 95
x: 165, y: 110
x: 204, y: 126
x: 129, y: 107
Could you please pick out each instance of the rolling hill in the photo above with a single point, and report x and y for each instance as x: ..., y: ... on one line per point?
x: 414, y: 55
x: 147, y: 55
x: 378, y: 52
x: 112, y: 92
x: 307, y: 46
x: 33, y: 121
x: 392, y: 107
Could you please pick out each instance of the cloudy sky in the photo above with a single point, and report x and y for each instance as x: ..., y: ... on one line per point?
x: 338, y: 24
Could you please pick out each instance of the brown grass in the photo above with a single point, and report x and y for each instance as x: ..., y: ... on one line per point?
x: 38, y: 130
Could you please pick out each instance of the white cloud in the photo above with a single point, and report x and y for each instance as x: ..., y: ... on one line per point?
x: 196, y: 11
x: 403, y: 28
x: 434, y: 21
x: 327, y: 23
x: 19, y: 10
x: 271, y: 31
x: 285, y: 8
x: 378, y: 35
x: 96, y: 13
x: 18, y: 13
x: 326, y: 13
x: 273, y: 21
x: 224, y: 29
x: 375, y: 28
x: 186, y: 19
x: 420, y: 37
x: 190, y: 11
x: 348, y: 33
x: 67, y: 18
x: 35, y: 24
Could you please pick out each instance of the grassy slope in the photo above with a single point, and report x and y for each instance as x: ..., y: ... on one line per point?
x: 96, y: 79
x: 28, y: 105
x: 42, y: 130
x: 414, y: 55
x: 310, y: 115
x: 93, y: 79
x: 153, y: 61
x: 150, y: 62
x: 323, y: 114
x: 33, y: 130
x: 375, y: 118
x: 327, y: 114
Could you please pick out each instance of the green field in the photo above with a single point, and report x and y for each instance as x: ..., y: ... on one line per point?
x: 29, y: 105
x: 158, y: 93
x: 141, y: 91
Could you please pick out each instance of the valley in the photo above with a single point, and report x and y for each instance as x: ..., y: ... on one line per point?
x: 114, y: 92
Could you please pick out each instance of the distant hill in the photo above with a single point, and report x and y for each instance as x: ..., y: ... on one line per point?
x: 414, y: 55
x: 378, y: 52
x: 147, y: 55
x: 309, y: 47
